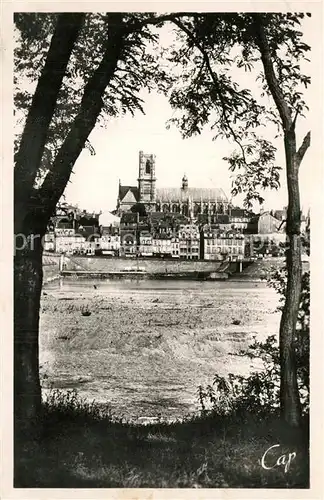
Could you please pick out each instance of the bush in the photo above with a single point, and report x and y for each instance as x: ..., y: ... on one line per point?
x: 259, y: 392
x: 68, y: 405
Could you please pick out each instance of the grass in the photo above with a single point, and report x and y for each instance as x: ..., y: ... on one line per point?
x: 83, y: 446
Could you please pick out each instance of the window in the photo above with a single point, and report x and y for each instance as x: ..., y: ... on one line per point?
x: 148, y: 167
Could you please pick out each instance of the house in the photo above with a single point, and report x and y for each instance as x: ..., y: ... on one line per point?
x: 49, y: 242
x: 189, y: 241
x: 266, y: 225
x: 239, y: 218
x: 110, y: 241
x: 162, y: 245
x: 223, y: 245
x: 280, y: 214
x: 145, y: 248
x: 68, y: 241
x: 129, y: 224
x: 175, y: 248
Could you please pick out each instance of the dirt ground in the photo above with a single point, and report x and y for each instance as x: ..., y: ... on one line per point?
x: 147, y: 346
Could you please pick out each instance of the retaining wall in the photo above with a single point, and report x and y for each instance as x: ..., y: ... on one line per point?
x: 51, y: 264
x: 99, y: 264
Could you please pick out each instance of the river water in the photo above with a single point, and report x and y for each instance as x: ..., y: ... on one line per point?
x: 147, y: 345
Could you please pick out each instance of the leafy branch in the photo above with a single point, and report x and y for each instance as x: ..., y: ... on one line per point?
x: 214, y: 78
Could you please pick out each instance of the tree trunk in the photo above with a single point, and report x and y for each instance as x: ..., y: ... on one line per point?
x: 28, y: 276
x: 33, y: 209
x: 289, y: 394
x: 290, y: 407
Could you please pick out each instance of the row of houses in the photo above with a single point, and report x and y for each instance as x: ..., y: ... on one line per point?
x: 166, y: 235
x: 188, y: 243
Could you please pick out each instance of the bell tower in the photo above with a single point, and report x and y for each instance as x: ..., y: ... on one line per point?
x: 147, y: 180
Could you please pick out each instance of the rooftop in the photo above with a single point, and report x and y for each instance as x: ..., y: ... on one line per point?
x: 195, y: 194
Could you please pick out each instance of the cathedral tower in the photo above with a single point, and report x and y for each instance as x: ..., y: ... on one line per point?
x: 147, y: 180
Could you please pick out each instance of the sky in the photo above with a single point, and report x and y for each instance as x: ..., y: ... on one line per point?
x: 94, y: 183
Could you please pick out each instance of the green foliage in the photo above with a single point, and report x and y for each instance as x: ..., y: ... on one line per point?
x: 216, y: 51
x: 302, y: 339
x: 69, y: 405
x: 260, y: 173
x: 259, y: 392
x: 305, y: 236
x: 138, y: 68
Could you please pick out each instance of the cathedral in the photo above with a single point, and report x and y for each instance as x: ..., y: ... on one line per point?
x: 185, y: 200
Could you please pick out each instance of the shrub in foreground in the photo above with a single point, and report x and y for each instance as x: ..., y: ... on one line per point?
x: 259, y: 392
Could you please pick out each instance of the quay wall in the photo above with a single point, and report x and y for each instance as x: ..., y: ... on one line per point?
x: 116, y: 264
x: 51, y: 267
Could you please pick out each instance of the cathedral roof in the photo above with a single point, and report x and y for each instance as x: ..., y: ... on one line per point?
x: 123, y: 190
x: 195, y: 194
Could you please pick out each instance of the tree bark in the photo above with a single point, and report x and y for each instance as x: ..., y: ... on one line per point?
x: 33, y: 209
x: 27, y: 291
x: 289, y: 395
x: 30, y: 226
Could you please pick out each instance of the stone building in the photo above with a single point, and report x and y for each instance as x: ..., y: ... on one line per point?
x: 189, y: 242
x: 68, y: 241
x: 267, y: 225
x: 239, y: 218
x: 263, y: 231
x: 49, y: 242
x: 129, y: 228
x: 110, y: 241
x: 223, y: 245
x: 162, y: 245
x: 145, y: 248
x: 185, y: 200
x: 71, y: 217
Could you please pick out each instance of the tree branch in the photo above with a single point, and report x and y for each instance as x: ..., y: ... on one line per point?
x: 90, y: 108
x: 33, y: 139
x: 156, y: 20
x: 303, y: 148
x: 214, y: 79
x: 272, y: 81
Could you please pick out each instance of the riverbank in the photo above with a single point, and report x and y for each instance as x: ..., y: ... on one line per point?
x: 101, y: 268
x: 189, y: 275
x: 263, y: 269
x: 146, y: 346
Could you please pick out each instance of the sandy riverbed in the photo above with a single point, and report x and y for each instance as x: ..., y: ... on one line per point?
x: 148, y: 345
